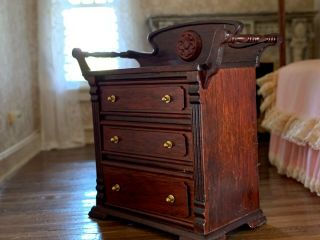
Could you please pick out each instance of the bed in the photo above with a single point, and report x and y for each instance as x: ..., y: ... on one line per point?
x: 292, y: 115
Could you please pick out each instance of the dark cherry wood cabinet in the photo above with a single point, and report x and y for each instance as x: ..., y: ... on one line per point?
x: 176, y: 138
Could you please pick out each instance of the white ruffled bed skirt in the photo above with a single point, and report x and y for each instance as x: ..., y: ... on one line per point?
x: 299, y: 162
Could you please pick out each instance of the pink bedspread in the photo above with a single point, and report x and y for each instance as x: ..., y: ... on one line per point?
x: 292, y: 114
x: 298, y: 89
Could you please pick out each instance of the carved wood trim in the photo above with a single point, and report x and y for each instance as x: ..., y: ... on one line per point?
x: 199, y: 46
x: 199, y: 201
x: 100, y: 187
x: 189, y: 45
x: 252, y: 39
x: 199, y: 198
x: 296, y: 48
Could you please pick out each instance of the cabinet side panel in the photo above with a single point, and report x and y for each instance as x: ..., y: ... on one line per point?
x: 230, y: 145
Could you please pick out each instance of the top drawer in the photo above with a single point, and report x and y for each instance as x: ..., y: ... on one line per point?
x: 143, y: 98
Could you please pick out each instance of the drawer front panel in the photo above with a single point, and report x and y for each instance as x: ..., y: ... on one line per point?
x: 147, y: 192
x: 135, y: 98
x: 145, y: 142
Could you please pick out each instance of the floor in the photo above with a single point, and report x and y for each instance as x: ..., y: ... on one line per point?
x: 49, y: 198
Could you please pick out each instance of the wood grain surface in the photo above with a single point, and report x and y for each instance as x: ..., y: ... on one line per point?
x: 141, y: 98
x: 50, y: 197
x: 147, y: 192
x: 230, y: 145
x: 147, y: 142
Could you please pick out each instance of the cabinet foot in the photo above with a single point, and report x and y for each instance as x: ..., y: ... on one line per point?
x: 224, y: 237
x: 257, y: 222
x: 96, y: 213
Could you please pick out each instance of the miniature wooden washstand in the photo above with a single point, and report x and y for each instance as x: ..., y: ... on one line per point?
x: 176, y: 138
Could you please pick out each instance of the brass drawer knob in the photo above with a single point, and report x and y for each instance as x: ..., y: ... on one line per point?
x: 166, y: 99
x: 112, y: 98
x: 116, y: 188
x: 114, y: 139
x: 168, y: 144
x: 170, y: 199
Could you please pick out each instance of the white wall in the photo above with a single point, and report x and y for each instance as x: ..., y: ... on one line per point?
x: 20, y: 141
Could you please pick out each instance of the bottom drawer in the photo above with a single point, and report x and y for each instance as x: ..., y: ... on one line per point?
x: 153, y: 193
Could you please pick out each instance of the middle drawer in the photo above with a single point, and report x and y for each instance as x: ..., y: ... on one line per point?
x: 147, y: 142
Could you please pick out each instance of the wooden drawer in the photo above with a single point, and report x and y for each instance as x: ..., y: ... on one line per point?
x: 146, y: 142
x: 147, y: 192
x: 146, y: 98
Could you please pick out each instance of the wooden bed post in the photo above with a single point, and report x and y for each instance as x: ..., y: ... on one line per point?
x: 282, y: 31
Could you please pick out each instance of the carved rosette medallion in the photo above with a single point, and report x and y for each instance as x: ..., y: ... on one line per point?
x: 189, y: 46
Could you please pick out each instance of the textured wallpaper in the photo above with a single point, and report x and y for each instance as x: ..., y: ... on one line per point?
x: 158, y: 7
x: 192, y: 7
x: 18, y: 70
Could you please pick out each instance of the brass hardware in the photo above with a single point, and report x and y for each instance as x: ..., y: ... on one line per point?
x: 116, y: 188
x: 166, y: 99
x: 112, y: 98
x: 114, y: 139
x: 170, y: 199
x: 168, y: 144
